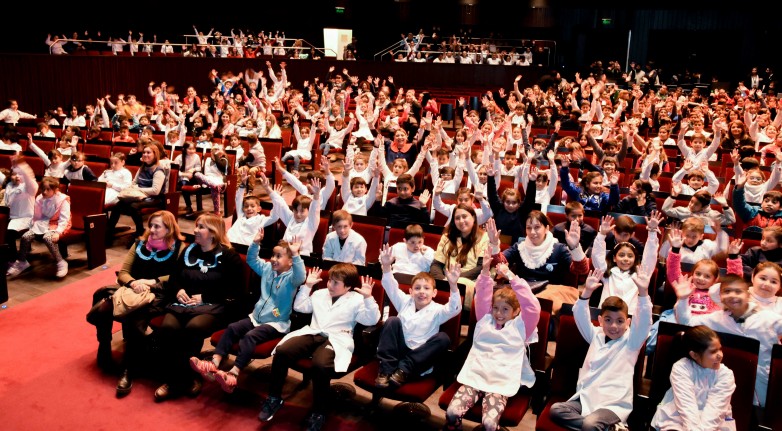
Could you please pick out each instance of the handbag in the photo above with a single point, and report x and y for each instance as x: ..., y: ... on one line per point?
x: 126, y: 300
x: 131, y: 194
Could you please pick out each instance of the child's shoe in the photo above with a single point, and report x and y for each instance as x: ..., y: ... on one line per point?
x: 17, y: 268
x: 226, y: 380
x: 206, y: 369
x: 62, y: 268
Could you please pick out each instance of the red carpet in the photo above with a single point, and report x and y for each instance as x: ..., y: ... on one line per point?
x: 49, y: 379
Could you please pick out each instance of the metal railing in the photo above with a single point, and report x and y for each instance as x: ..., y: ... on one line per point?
x: 518, y: 44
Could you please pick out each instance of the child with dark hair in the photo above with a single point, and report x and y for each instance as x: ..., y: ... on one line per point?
x: 574, y: 212
x: 768, y: 214
x: 405, y: 208
x: 78, y: 170
x: 740, y: 316
x: 702, y: 179
x: 117, y: 177
x: 357, y: 199
x: 301, y: 218
x: 280, y: 279
x: 769, y: 250
x: 699, y: 206
x: 688, y: 241
x: 249, y: 221
x: 624, y: 231
x: 411, y: 341
x: 343, y: 244
x: 412, y: 256
x: 701, y: 387
x: 591, y: 193
x: 328, y: 339
x: 640, y: 201
x: 604, y: 394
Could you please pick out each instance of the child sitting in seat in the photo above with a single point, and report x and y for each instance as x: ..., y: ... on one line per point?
x: 756, y: 184
x: 766, y: 279
x: 624, y: 260
x: 117, y: 177
x: 740, y: 316
x: 769, y: 250
x: 405, y: 208
x: 574, y: 212
x: 55, y: 165
x: 216, y: 169
x: 304, y: 142
x: 249, y: 221
x: 688, y: 241
x: 545, y: 181
x: 410, y: 342
x: 411, y: 256
x: 699, y: 206
x: 344, y: 244
x: 639, y: 202
x: 701, y: 387
x: 77, y: 170
x: 337, y: 133
x: 767, y: 214
x: 251, y: 164
x: 51, y: 219
x: 280, y: 277
x: 465, y: 196
x: 623, y: 231
x: 590, y: 194
x: 497, y: 365
x: 302, y: 217
x: 356, y: 198
x: 328, y: 339
x: 695, y: 179
x: 604, y: 394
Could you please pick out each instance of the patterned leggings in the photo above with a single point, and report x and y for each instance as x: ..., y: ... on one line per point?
x: 50, y: 238
x: 465, y: 398
x: 216, y: 187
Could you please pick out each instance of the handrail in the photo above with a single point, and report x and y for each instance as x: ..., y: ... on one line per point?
x: 385, y: 50
x: 186, y: 45
x: 390, y: 49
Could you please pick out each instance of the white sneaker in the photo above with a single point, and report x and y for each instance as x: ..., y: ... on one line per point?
x: 17, y: 268
x: 62, y: 268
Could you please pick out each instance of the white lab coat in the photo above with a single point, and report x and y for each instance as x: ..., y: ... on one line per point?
x: 353, y: 251
x: 334, y: 320
x: 305, y: 231
x: 605, y: 380
x: 617, y: 282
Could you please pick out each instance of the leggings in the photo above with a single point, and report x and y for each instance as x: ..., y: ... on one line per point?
x: 216, y: 188
x: 465, y: 398
x: 50, y: 238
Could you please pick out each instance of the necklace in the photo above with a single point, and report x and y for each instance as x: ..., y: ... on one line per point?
x: 200, y: 262
x: 153, y: 253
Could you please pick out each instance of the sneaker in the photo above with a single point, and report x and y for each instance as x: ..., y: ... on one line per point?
x: 17, y: 268
x: 381, y: 381
x: 62, y: 268
x: 269, y: 408
x: 315, y: 422
x: 227, y: 381
x: 206, y: 369
x: 398, y: 378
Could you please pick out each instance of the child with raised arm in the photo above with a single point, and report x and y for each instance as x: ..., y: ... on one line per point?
x: 328, y: 339
x: 302, y: 217
x: 604, y: 394
x: 305, y: 139
x: 250, y: 220
x: 767, y: 214
x: 411, y: 341
x: 697, y: 154
x: 497, y: 365
x: 344, y: 244
x: 701, y: 387
x: 55, y: 165
x: 756, y: 185
x: 464, y: 195
x: 740, y: 316
x: 624, y: 260
x: 280, y: 277
x: 591, y: 193
x: 697, y: 179
x: 325, y: 177
x: 545, y: 181
x: 699, y: 206
x: 769, y: 250
x: 356, y: 198
x: 688, y: 241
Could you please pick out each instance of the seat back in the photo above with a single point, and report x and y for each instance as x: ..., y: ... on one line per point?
x: 665, y: 355
x: 741, y: 356
x: 771, y: 417
x: 4, y: 219
x: 373, y: 229
x: 97, y: 152
x: 87, y: 198
x: 569, y: 355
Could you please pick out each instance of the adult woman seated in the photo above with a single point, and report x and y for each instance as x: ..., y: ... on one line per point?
x: 463, y: 242
x: 208, y: 274
x: 149, y: 183
x: 146, y: 268
x: 542, y: 261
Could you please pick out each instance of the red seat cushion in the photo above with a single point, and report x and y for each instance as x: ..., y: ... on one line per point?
x: 514, y: 411
x: 544, y: 422
x: 415, y: 391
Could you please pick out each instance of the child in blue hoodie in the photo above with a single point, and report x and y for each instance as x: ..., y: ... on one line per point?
x: 590, y: 194
x: 281, y: 277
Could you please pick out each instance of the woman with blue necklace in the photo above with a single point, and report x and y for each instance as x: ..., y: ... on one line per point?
x: 207, y: 275
x: 146, y: 268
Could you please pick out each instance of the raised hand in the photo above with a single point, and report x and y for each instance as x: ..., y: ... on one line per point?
x: 675, y: 237
x: 313, y: 277
x: 676, y: 189
x: 683, y: 286
x: 735, y: 246
x: 720, y: 198
x: 687, y: 165
x: 593, y: 281
x: 295, y: 245
x: 279, y: 189
x: 573, y: 235
x: 641, y: 279
x: 259, y: 236
x: 654, y: 220
x: 452, y: 274
x: 486, y: 265
x: 315, y: 184
x: 439, y: 187
x: 386, y: 257
x: 614, y: 179
x: 366, y: 286
x: 491, y: 230
x: 425, y: 196
x: 606, y: 225
x: 741, y: 179
x: 324, y: 165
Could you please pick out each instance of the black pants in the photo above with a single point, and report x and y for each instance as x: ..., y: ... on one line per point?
x: 249, y: 336
x: 393, y: 353
x: 133, y: 209
x: 319, y: 348
x: 134, y: 326
x: 182, y: 336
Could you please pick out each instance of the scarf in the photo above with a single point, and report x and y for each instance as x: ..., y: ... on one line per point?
x: 403, y: 149
x: 156, y: 244
x: 536, y: 256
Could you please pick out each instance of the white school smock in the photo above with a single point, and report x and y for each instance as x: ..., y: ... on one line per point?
x: 353, y: 251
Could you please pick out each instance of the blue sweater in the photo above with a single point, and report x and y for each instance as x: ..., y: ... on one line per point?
x: 277, y: 290
x: 598, y: 202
